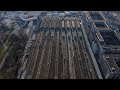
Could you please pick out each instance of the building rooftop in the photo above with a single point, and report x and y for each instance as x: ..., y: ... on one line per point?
x: 100, y: 24
x: 100, y: 38
x: 96, y: 16
x: 113, y: 62
x: 110, y: 38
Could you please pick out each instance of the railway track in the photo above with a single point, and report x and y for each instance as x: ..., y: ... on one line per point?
x: 42, y: 55
x: 71, y: 55
x: 51, y: 73
x: 45, y: 60
x: 59, y: 51
x: 31, y: 57
x: 50, y: 53
x: 77, y: 58
x: 60, y: 65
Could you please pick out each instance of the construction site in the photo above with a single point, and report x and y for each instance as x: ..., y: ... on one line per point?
x: 59, y: 51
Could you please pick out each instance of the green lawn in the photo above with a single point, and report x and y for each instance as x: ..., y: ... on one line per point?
x: 2, y: 54
x: 7, y: 41
x: 1, y: 51
x: 1, y: 48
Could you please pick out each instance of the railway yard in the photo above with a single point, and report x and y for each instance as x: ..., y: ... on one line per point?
x: 59, y: 51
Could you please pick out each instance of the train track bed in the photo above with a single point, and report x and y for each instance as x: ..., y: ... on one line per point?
x: 59, y: 51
